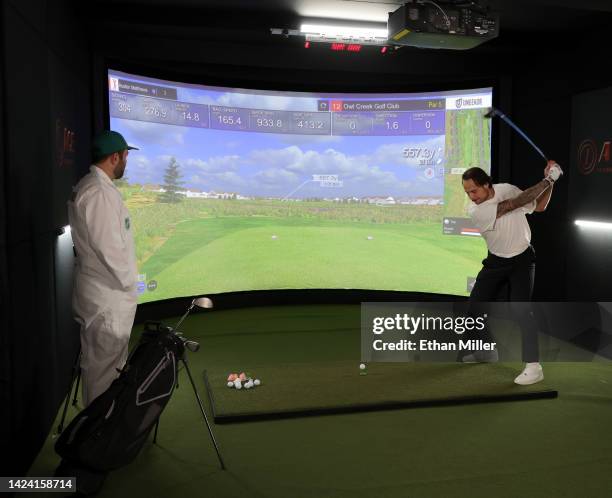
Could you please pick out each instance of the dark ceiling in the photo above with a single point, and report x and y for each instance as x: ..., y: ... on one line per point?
x: 517, y: 16
x: 185, y: 34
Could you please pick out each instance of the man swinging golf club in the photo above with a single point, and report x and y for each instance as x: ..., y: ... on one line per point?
x: 498, y: 211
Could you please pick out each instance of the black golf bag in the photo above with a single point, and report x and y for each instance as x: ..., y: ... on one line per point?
x: 110, y: 432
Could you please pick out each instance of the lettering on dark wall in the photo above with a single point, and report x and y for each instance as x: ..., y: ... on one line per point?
x: 65, y: 144
x: 594, y: 156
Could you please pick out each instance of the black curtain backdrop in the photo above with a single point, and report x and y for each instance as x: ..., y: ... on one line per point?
x: 5, y: 357
x: 541, y: 107
x: 46, y: 124
x: 549, y: 105
x: 590, y: 195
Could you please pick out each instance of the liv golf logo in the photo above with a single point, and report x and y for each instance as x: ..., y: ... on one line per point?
x: 593, y: 158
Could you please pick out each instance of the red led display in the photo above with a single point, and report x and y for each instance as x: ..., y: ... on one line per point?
x: 344, y: 47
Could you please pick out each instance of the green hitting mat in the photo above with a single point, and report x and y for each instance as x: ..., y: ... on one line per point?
x: 305, y: 389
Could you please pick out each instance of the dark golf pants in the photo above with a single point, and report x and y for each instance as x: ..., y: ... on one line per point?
x: 518, y: 273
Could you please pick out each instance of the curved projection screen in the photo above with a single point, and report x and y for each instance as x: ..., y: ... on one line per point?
x: 236, y: 190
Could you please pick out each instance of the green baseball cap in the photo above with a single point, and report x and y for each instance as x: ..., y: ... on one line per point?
x: 108, y: 142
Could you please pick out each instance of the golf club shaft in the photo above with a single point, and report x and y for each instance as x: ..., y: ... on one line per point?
x: 497, y: 112
x: 183, y: 317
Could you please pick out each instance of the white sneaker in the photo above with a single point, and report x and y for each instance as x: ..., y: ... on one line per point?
x: 531, y: 374
x: 481, y: 357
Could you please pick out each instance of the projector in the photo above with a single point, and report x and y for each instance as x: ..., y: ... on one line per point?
x: 452, y: 26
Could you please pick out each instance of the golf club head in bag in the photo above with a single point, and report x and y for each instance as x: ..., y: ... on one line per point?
x: 200, y: 302
x: 203, y: 302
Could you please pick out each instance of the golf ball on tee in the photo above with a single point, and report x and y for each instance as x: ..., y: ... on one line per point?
x: 362, y: 366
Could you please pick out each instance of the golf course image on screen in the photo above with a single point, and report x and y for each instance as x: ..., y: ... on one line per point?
x: 239, y: 190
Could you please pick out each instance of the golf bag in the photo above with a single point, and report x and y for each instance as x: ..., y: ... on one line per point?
x: 110, y: 432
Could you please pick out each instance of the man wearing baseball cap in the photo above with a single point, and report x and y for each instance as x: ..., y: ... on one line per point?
x: 104, y: 296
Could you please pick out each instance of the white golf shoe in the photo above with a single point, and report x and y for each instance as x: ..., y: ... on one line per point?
x: 531, y: 374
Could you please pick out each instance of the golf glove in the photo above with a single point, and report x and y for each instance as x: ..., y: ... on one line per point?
x: 554, y: 173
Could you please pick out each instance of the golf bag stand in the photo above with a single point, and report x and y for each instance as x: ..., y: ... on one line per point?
x: 194, y: 346
x: 76, y: 375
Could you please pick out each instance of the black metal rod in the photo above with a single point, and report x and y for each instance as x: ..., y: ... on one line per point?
x: 76, y: 389
x: 155, y: 434
x: 195, y: 391
x: 76, y: 373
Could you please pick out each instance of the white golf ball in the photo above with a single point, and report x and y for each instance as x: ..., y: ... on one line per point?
x: 370, y: 237
x: 274, y: 237
x: 362, y: 366
x: 230, y: 384
x: 256, y: 382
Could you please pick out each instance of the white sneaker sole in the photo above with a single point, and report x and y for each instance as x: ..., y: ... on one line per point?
x: 524, y: 380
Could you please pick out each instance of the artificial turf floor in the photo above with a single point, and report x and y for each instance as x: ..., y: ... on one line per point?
x: 546, y: 448
x: 316, y: 388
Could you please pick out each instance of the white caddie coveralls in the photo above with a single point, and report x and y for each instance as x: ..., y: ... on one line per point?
x: 104, y: 297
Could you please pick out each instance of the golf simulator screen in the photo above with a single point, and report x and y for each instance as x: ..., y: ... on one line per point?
x: 238, y: 190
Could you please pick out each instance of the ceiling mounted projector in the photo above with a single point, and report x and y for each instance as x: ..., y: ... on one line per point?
x: 428, y: 24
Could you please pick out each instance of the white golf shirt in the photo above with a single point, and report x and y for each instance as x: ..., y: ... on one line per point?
x: 508, y: 235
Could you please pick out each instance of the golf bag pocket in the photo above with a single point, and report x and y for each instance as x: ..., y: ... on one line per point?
x: 158, y: 384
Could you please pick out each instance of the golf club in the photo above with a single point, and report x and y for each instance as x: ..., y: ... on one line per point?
x: 496, y: 112
x: 200, y: 302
